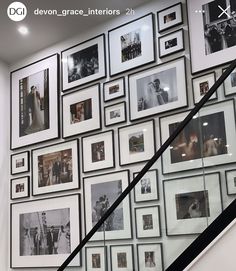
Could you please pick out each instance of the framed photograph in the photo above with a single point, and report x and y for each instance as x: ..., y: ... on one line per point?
x: 214, y: 143
x: 211, y: 32
x: 202, y: 84
x: 122, y: 257
x: 147, y: 188
x: 34, y: 103
x: 169, y: 17
x: 55, y: 168
x: 158, y: 89
x: 98, y: 151
x: 230, y: 178
x: 83, y: 63
x: 81, y: 111
x: 20, y: 188
x: 96, y: 258
x: 147, y: 221
x: 114, y: 89
x: 230, y: 83
x: 137, y: 141
x: 192, y: 203
x: 171, y: 43
x: 131, y: 45
x: 20, y: 162
x: 101, y: 192
x: 45, y: 232
x: 114, y: 114
x: 150, y: 257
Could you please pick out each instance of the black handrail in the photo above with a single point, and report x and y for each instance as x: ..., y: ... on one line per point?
x: 149, y: 164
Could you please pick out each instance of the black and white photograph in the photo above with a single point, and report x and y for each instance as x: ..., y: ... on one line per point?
x: 122, y: 260
x: 121, y: 257
x: 20, y: 162
x: 230, y: 84
x: 81, y: 111
x: 147, y: 222
x: 98, y: 151
x: 114, y: 89
x: 230, y: 178
x: 96, y: 258
x: 115, y: 113
x: 136, y: 142
x: 20, y: 188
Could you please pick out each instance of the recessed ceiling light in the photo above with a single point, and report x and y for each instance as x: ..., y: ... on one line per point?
x: 23, y: 30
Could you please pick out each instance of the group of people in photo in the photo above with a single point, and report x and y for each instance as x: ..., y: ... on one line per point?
x: 131, y: 46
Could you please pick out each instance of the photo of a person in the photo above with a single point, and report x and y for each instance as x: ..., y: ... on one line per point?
x: 145, y: 186
x: 149, y: 259
x: 204, y: 87
x: 96, y: 260
x: 169, y: 17
x: 51, y: 240
x: 122, y: 260
x: 147, y: 222
x: 136, y: 143
x: 98, y: 151
x: 81, y: 111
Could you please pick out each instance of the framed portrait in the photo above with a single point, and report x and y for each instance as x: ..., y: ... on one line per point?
x: 137, y: 141
x: 55, y: 168
x: 169, y: 17
x: 212, y: 41
x: 101, y: 192
x: 83, y: 63
x: 34, y: 103
x: 131, y: 45
x: 191, y: 203
x: 96, y: 258
x: 20, y: 188
x: 202, y: 84
x: 230, y: 84
x: 171, y: 43
x: 147, y: 188
x: 122, y: 257
x: 150, y: 257
x: 148, y: 221
x: 20, y: 162
x: 214, y: 143
x: 114, y: 89
x: 98, y: 151
x: 230, y: 178
x: 45, y: 232
x: 158, y: 89
x: 81, y: 111
x: 114, y: 114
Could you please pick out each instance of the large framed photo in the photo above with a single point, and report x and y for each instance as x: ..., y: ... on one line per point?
x: 158, y: 89
x: 96, y: 258
x: 230, y: 178
x: 122, y: 257
x: 101, y: 192
x: 34, y: 103
x: 20, y: 188
x: 81, y: 111
x: 55, y: 168
x: 114, y: 89
x: 83, y: 63
x: 20, y: 162
x: 131, y: 45
x: 45, y: 232
x: 212, y: 38
x: 214, y: 143
x: 114, y: 114
x: 230, y: 84
x: 192, y: 203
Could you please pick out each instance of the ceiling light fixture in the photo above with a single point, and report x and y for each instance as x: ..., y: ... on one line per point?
x: 23, y: 30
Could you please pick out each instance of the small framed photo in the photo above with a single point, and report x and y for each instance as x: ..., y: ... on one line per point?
x: 147, y: 188
x: 20, y: 163
x: 114, y: 89
x: 230, y: 84
x: 138, y: 142
x: 81, y: 111
x: 169, y: 17
x: 122, y: 257
x: 150, y: 257
x: 230, y: 177
x: 115, y: 113
x: 131, y: 45
x: 98, y: 151
x: 202, y: 84
x: 192, y: 205
x: 83, y: 63
x: 96, y: 258
x: 148, y: 222
x: 20, y: 188
x: 171, y: 43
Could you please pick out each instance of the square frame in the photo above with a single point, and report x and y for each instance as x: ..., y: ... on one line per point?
x: 115, y: 113
x: 230, y: 178
x: 19, y: 184
x: 230, y: 84
x: 125, y: 260
x: 114, y: 89
x: 21, y: 166
x: 96, y: 263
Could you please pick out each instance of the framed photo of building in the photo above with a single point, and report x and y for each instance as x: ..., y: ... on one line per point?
x: 114, y: 89
x: 45, y: 232
x: 230, y: 83
x: 83, y: 63
x: 81, y: 111
x: 55, y: 168
x: 96, y: 258
x: 158, y: 89
x: 20, y: 162
x: 215, y: 140
x: 131, y: 45
x: 114, y: 114
x: 190, y: 206
x: 138, y: 142
x: 230, y: 178
x: 101, y: 192
x: 34, y: 103
x: 122, y: 257
x: 20, y: 188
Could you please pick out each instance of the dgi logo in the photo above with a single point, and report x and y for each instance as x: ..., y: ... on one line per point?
x: 16, y: 11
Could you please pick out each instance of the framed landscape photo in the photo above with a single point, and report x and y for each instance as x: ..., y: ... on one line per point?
x: 20, y: 188
x: 34, y: 103
x: 158, y: 89
x: 192, y: 203
x: 230, y: 84
x: 81, y: 111
x: 20, y: 162
x: 114, y: 89
x: 101, y: 192
x: 131, y: 45
x: 230, y: 178
x: 96, y: 258
x: 114, y: 114
x: 122, y: 257
x: 83, y: 63
x: 45, y: 232
x: 55, y: 168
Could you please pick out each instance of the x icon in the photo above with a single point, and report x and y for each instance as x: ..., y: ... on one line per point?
x: 223, y: 11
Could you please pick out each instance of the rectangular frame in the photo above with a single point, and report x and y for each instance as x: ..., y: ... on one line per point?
x: 95, y: 262
x: 24, y: 163
x: 114, y: 89
x: 230, y: 179
x: 20, y: 188
x: 122, y: 257
x: 115, y: 113
x: 230, y: 84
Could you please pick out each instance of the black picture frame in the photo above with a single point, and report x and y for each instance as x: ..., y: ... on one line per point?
x: 20, y: 188
x: 230, y: 178
x: 119, y: 114
x: 125, y: 260
x: 98, y: 261
x: 229, y: 84
x: 24, y: 166
x: 114, y: 89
